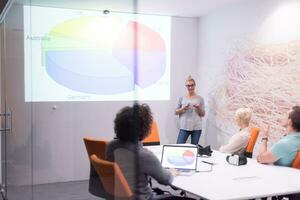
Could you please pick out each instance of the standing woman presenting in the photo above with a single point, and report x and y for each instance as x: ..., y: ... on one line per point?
x: 190, y: 109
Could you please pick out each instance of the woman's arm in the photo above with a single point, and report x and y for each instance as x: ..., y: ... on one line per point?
x: 151, y: 166
x: 235, y: 143
x: 200, y: 108
x: 180, y: 109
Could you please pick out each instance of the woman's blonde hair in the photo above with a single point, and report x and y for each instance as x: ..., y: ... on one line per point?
x: 244, y: 115
x: 189, y: 78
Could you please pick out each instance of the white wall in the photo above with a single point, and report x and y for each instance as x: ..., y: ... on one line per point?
x: 47, y: 143
x: 251, y: 24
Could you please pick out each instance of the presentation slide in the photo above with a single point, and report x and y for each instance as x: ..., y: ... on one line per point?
x: 79, y: 55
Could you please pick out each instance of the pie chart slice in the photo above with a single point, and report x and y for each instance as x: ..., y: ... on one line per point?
x: 188, y: 156
x: 149, y: 48
x: 87, y: 71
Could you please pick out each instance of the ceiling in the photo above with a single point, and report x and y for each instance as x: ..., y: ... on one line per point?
x: 185, y: 8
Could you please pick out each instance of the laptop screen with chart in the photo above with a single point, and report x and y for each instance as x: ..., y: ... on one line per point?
x: 179, y: 157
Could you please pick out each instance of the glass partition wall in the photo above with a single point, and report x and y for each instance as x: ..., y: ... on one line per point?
x: 67, y: 68
x: 16, y: 118
x: 61, y: 63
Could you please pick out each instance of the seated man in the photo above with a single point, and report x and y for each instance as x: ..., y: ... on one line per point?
x: 238, y: 142
x: 285, y: 150
x: 132, y: 125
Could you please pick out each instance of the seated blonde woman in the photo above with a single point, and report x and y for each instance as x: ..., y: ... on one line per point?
x: 238, y: 142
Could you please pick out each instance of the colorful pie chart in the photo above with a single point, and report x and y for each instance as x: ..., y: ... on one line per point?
x: 181, y: 159
x: 98, y: 55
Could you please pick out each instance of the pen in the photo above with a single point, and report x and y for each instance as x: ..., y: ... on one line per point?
x: 207, y: 162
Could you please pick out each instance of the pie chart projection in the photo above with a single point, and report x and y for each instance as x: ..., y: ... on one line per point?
x: 97, y: 55
x: 180, y: 159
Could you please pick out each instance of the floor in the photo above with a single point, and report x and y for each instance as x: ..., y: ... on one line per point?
x: 75, y: 190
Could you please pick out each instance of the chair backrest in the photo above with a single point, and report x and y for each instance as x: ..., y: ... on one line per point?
x: 296, y: 162
x: 153, y: 137
x: 252, y: 141
x: 97, y: 147
x: 94, y: 146
x: 112, y: 178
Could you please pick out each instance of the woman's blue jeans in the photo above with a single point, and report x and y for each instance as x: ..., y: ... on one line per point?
x: 184, y: 134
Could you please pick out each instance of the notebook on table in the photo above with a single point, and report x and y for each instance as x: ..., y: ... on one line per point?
x: 183, y: 158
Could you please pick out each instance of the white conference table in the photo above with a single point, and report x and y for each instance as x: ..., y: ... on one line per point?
x: 226, y: 181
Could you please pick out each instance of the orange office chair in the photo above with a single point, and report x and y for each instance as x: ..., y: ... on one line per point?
x: 94, y: 146
x: 296, y: 162
x: 153, y: 137
x: 252, y: 140
x: 112, y: 178
x: 97, y: 147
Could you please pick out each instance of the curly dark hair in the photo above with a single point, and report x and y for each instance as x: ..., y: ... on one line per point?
x: 295, y: 118
x: 133, y: 123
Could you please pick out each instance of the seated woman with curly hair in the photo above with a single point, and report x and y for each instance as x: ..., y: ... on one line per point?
x: 132, y: 125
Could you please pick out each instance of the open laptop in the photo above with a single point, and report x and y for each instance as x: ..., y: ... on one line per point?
x: 180, y: 157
